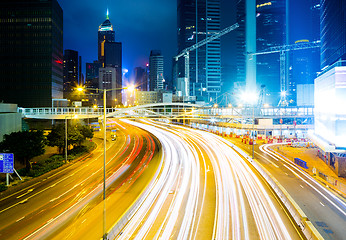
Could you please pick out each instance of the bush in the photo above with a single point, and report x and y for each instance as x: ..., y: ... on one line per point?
x: 56, y: 161
x: 3, y: 187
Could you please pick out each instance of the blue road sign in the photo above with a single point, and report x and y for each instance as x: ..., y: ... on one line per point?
x: 6, y: 162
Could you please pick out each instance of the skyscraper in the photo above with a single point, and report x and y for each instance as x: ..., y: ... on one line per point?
x: 31, y: 55
x: 71, y: 72
x: 303, y: 64
x: 271, y: 31
x: 107, y: 80
x: 140, y: 77
x: 92, y: 74
x: 110, y: 52
x: 330, y: 91
x: 155, y: 70
x: 198, y: 19
x: 105, y: 34
x: 333, y: 32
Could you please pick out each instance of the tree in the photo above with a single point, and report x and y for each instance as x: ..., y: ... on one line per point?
x: 86, y: 131
x: 57, y: 137
x: 76, y: 135
x: 24, y: 145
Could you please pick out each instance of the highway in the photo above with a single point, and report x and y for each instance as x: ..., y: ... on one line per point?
x: 54, y: 202
x: 204, y: 190
x: 325, y: 209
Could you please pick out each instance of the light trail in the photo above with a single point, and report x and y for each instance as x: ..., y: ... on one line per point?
x: 82, y: 199
x: 306, y: 178
x: 239, y: 191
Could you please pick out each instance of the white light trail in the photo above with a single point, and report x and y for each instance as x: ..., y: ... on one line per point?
x: 237, y: 188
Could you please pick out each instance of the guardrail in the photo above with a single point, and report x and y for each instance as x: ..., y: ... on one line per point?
x: 310, y: 232
x: 174, y: 110
x: 119, y: 225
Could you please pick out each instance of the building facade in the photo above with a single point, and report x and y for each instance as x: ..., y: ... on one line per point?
x: 333, y: 32
x: 330, y: 88
x: 71, y: 72
x: 141, y: 79
x: 271, y: 32
x: 303, y: 64
x: 107, y: 80
x: 155, y: 71
x: 105, y: 34
x: 110, y: 52
x: 198, y: 19
x: 31, y: 52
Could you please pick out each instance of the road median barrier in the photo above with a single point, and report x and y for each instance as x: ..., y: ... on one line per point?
x: 117, y: 227
x: 300, y: 218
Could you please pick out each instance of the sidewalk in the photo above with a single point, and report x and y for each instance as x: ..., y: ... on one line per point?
x: 316, y: 166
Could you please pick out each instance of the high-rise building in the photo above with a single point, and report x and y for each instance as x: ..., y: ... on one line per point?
x: 92, y: 74
x: 333, y: 32
x: 31, y: 52
x: 155, y: 70
x: 330, y: 91
x: 140, y: 77
x: 239, y: 83
x: 105, y: 34
x: 107, y: 80
x: 198, y: 19
x: 271, y: 32
x: 113, y: 58
x: 71, y: 72
x: 81, y: 76
x: 303, y: 64
x: 110, y: 52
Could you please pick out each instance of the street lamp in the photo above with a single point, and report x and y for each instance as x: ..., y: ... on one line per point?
x: 81, y: 89
x: 251, y: 98
x: 75, y: 116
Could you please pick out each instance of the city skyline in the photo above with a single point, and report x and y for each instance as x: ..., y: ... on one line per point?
x: 140, y: 32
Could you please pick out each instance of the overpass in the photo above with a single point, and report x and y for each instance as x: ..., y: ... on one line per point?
x: 169, y: 111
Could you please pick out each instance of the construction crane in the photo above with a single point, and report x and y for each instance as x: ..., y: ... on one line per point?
x: 282, y: 50
x: 186, y: 51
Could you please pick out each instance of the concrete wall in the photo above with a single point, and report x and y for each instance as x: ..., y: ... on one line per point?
x: 10, y: 120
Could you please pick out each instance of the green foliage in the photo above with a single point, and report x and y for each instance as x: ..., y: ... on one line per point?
x: 3, y: 187
x: 86, y: 131
x: 76, y: 135
x: 24, y: 145
x: 51, y: 163
x: 57, y: 137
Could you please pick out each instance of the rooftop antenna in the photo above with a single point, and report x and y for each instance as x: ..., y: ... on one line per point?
x: 107, y: 13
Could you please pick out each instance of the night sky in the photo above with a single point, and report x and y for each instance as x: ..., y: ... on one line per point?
x: 141, y: 26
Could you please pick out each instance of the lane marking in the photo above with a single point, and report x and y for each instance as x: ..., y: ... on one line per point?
x: 20, y: 219
x: 301, y: 186
x: 29, y: 191
x: 322, y: 204
x: 267, y: 159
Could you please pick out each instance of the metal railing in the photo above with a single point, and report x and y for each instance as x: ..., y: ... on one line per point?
x: 170, y: 110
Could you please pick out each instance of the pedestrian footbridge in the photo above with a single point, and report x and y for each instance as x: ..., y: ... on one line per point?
x: 169, y: 111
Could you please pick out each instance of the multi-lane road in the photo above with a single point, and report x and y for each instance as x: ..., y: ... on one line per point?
x: 323, y: 207
x: 205, y: 190
x: 56, y: 201
x: 168, y: 182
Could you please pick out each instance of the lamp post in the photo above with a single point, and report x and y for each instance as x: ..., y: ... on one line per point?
x: 253, y: 131
x: 130, y: 88
x: 251, y: 98
x: 66, y: 145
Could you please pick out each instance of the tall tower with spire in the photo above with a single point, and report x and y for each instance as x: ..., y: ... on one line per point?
x: 105, y: 34
x: 110, y: 59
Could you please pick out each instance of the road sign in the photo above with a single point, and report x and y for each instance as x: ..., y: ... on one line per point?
x: 6, y: 162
